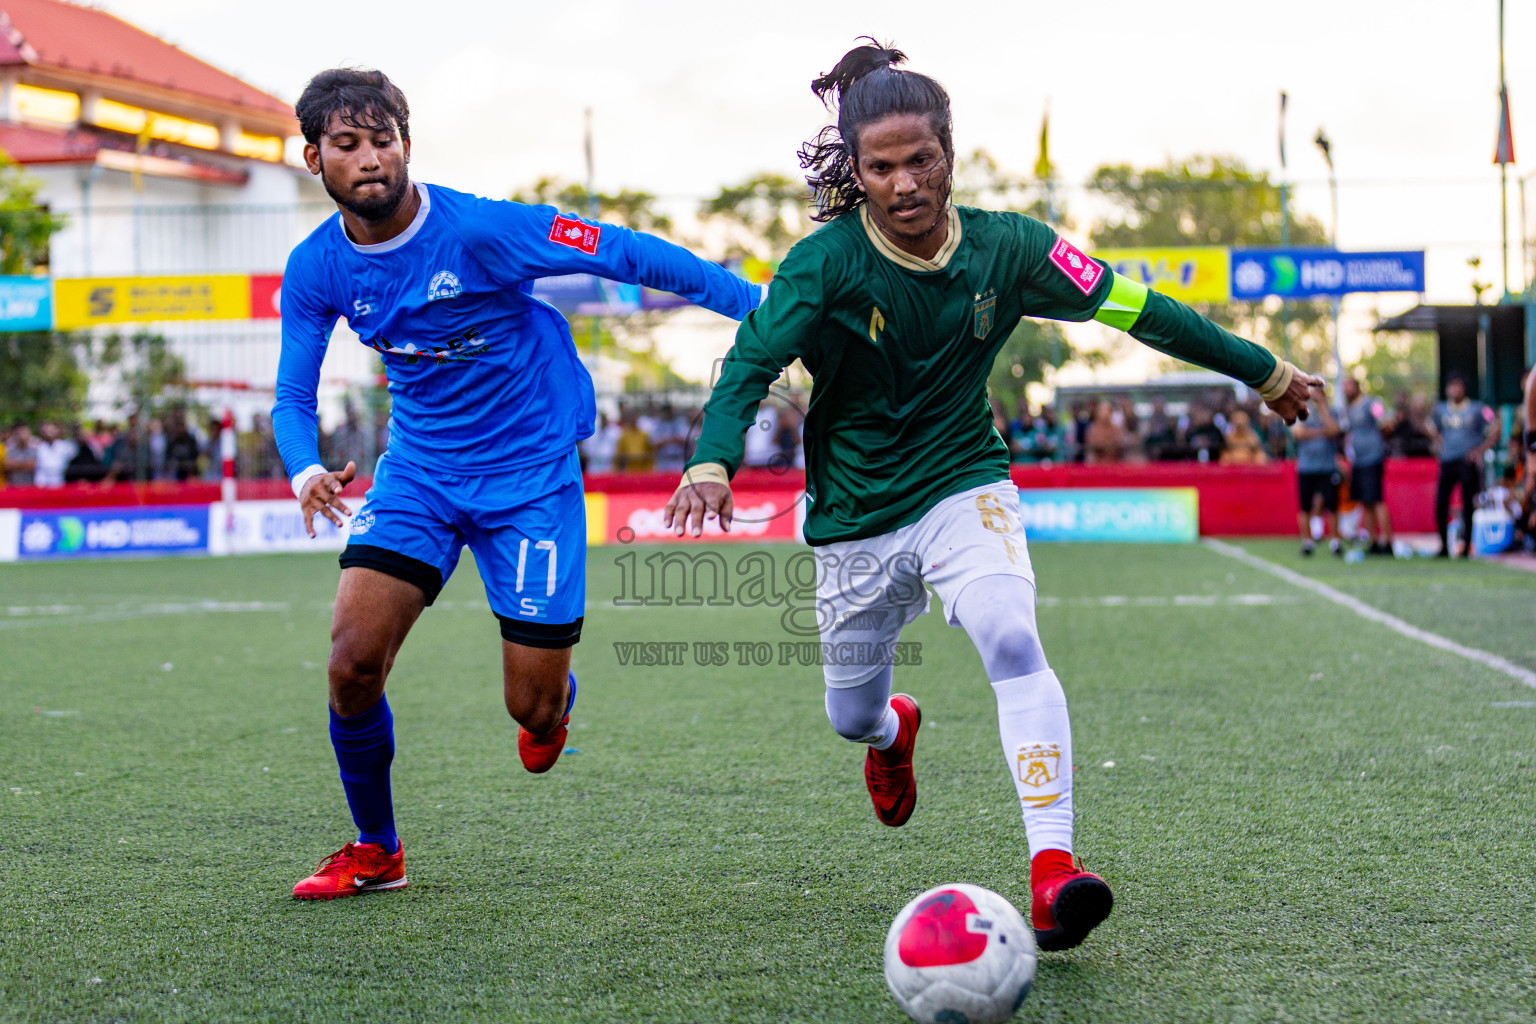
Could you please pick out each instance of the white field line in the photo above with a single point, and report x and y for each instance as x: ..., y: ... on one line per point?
x: 1366, y: 611
x: 21, y: 617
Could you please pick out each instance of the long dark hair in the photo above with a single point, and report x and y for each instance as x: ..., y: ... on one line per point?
x: 866, y: 86
x: 366, y: 99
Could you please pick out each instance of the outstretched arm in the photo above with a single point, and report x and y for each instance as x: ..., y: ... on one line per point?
x: 518, y: 243
x: 307, y: 330
x: 1063, y: 283
x: 771, y: 338
x: 1174, y: 329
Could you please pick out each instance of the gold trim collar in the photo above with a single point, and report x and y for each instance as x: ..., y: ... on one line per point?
x: 905, y: 259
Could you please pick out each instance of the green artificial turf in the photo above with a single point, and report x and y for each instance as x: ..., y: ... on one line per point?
x: 1305, y: 816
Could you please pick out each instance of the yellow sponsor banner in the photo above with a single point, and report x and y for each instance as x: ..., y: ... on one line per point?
x: 597, y: 518
x: 1193, y: 274
x: 88, y: 301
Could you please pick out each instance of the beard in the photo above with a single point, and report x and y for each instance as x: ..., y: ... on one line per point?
x: 372, y: 208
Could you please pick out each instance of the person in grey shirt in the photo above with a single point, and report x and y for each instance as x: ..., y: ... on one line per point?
x: 1317, y: 473
x: 1367, y: 450
x: 1464, y: 429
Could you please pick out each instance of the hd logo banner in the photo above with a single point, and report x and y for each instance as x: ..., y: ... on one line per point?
x: 113, y: 532
x: 1301, y: 273
x: 1168, y: 515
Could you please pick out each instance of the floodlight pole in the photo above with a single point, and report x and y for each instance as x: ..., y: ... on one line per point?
x: 1503, y: 167
x: 1326, y: 146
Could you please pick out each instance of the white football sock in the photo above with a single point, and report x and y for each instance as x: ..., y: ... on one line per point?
x: 1037, y: 742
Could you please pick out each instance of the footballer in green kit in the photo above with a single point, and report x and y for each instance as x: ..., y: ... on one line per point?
x: 897, y: 307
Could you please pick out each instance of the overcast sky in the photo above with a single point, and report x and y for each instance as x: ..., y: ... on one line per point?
x: 692, y: 95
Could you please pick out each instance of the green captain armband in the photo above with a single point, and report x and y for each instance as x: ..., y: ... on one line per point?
x: 1126, y: 300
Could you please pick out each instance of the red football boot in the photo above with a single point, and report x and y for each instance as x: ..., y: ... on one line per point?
x: 888, y: 772
x: 353, y: 869
x: 539, y: 753
x: 1068, y: 901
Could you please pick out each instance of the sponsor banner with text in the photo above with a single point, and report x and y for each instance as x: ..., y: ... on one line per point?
x: 26, y: 303
x: 113, y: 532
x: 1146, y: 515
x: 1191, y: 274
x: 265, y: 527
x: 88, y: 301
x: 760, y: 516
x: 1299, y: 273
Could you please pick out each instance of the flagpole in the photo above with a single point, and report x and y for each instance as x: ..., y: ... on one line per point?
x: 1503, y: 166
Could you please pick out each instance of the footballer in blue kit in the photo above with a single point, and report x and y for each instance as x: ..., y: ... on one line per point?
x: 488, y: 401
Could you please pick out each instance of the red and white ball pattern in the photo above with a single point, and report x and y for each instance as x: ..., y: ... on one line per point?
x: 959, y: 954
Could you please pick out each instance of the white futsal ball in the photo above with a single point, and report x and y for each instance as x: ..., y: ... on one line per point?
x: 959, y: 954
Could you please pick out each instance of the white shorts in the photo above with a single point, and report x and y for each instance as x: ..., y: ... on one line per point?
x: 868, y: 590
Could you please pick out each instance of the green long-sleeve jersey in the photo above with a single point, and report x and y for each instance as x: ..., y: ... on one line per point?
x: 899, y: 349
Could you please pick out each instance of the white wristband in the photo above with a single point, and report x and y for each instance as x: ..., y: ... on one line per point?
x: 302, y: 477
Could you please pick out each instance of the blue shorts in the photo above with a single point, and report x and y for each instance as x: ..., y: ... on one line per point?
x: 527, y: 529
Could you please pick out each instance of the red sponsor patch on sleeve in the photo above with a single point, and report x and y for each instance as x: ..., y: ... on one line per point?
x: 572, y: 232
x: 1081, y: 270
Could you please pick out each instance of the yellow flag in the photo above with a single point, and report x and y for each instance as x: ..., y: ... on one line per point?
x: 1043, y: 168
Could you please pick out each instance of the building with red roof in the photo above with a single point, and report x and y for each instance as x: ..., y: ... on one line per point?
x: 123, y: 128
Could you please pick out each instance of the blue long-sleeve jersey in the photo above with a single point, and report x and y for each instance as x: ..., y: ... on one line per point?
x: 483, y: 377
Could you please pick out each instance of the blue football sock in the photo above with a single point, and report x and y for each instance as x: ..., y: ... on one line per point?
x: 365, y: 746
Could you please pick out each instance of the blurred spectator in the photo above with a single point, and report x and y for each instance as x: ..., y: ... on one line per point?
x: 256, y: 451
x: 1126, y: 418
x: 1367, y: 451
x: 789, y: 435
x: 1045, y: 441
x: 20, y: 455
x: 762, y: 440
x: 1203, y: 437
x: 1243, y: 445
x: 1004, y: 428
x: 181, y: 448
x: 1162, y: 431
x: 347, y: 443
x: 1023, y: 422
x: 1465, y: 429
x: 1104, y: 439
x: 212, y: 454
x: 670, y: 439
x: 1082, y: 415
x: 633, y: 452
x: 1317, y: 474
x: 86, y: 466
x: 1410, y: 433
x: 597, y: 451
x: 125, y: 456
x: 51, y: 455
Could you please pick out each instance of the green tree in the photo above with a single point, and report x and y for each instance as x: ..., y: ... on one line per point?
x: 41, y: 376
x: 981, y: 182
x: 1400, y: 361
x: 761, y: 217
x: 1215, y: 200
x: 149, y: 375
x: 631, y: 208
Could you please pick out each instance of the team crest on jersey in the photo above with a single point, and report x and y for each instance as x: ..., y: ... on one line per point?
x: 572, y: 232
x: 984, y: 308
x: 362, y: 523
x: 445, y: 285
x: 1081, y: 270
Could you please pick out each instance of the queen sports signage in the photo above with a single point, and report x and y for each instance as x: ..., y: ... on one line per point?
x: 1168, y: 515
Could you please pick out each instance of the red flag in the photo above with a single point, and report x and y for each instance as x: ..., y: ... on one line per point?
x: 1504, y: 149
